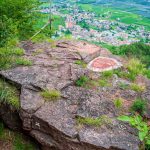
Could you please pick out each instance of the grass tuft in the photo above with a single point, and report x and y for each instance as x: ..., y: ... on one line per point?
x: 103, y: 83
x: 107, y: 74
x: 9, y: 57
x: 118, y: 103
x: 81, y: 82
x: 16, y: 140
x: 123, y: 86
x: 51, y: 95
x: 81, y: 63
x: 137, y: 88
x: 139, y: 105
x: 9, y: 94
x: 94, y: 121
x: 23, y: 61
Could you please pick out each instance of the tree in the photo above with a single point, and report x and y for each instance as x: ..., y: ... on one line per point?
x: 17, y: 19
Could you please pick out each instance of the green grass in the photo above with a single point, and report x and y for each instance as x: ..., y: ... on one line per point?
x: 11, y: 57
x: 137, y: 88
x: 81, y: 63
x: 107, y: 74
x: 135, y: 68
x: 94, y: 121
x: 139, y: 105
x: 82, y: 81
x: 125, y: 17
x: 23, y: 61
x: 51, y: 95
x: 9, y: 94
x: 16, y: 140
x: 43, y: 19
x: 103, y: 83
x: 123, y: 86
x: 118, y: 103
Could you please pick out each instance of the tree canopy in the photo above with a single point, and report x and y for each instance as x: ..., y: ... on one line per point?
x: 17, y: 19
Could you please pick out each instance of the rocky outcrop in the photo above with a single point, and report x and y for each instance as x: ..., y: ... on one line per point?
x: 54, y: 123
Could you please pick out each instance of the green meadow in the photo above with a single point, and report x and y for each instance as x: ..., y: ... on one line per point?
x: 124, y: 16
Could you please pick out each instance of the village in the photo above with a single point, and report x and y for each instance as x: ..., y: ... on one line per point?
x: 87, y: 26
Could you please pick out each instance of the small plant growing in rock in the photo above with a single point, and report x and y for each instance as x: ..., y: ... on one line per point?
x: 94, y: 121
x: 142, y: 127
x: 139, y: 105
x: 123, y: 85
x: 137, y: 88
x: 37, y: 52
x: 9, y: 94
x: 81, y: 63
x: 120, y: 73
x: 51, y: 94
x: 135, y: 67
x: 107, y: 74
x: 81, y: 82
x: 22, y: 61
x: 118, y: 103
x: 103, y: 83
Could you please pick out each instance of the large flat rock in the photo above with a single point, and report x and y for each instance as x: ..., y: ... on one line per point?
x: 54, y: 123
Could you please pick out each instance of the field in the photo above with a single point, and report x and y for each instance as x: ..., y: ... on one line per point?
x: 114, y: 14
x: 43, y: 19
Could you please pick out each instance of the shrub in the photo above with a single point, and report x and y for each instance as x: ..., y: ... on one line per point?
x: 19, y: 22
x: 139, y: 105
x: 135, y: 67
x: 147, y: 73
x: 142, y: 127
x: 118, y: 103
x: 138, y: 50
x: 137, y: 88
x: 82, y: 81
x: 51, y: 94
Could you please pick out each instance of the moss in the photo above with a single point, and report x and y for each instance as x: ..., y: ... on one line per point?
x: 51, y: 95
x: 9, y: 94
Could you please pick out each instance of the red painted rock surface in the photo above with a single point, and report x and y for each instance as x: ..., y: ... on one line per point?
x: 103, y: 64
